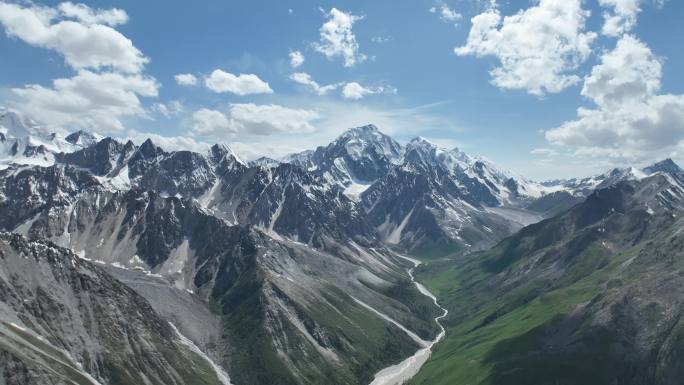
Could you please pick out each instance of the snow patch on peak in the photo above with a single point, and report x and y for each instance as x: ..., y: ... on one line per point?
x: 221, y: 151
x: 83, y: 138
x: 421, y: 141
x: 359, y: 141
x: 22, y: 142
x: 13, y: 125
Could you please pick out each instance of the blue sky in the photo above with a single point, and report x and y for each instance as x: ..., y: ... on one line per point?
x: 401, y: 73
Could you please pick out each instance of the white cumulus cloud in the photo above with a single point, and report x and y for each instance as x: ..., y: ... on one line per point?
x: 168, y: 143
x: 296, y: 59
x: 96, y: 101
x: 445, y: 13
x: 170, y: 109
x: 186, y: 79
x: 88, y: 15
x: 538, y: 48
x: 622, y: 18
x: 211, y: 122
x: 338, y: 39
x: 632, y: 120
x: 83, y: 36
x: 356, y: 91
x: 253, y: 119
x: 305, y: 79
x: 350, y: 90
x: 243, y: 84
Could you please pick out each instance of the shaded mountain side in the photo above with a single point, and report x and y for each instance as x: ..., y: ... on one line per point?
x: 65, y: 321
x: 592, y: 296
x: 554, y: 203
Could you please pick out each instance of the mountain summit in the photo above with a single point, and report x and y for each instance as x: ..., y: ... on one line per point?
x: 666, y: 166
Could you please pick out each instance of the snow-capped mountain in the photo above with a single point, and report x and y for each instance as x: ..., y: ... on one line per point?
x: 667, y: 166
x: 83, y: 138
x: 421, y: 150
x: 275, y: 251
x: 585, y: 186
x: 265, y: 161
x: 24, y: 142
x: 354, y: 160
x: 569, y: 192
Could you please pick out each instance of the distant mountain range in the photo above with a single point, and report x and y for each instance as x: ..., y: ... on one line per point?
x: 278, y: 271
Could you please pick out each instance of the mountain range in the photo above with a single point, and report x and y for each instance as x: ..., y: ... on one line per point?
x: 283, y: 271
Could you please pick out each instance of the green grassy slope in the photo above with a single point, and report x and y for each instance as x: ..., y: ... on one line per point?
x: 592, y: 296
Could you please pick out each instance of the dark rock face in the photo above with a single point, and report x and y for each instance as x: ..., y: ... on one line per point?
x: 183, y: 172
x: 100, y: 158
x: 33, y: 151
x: 82, y: 138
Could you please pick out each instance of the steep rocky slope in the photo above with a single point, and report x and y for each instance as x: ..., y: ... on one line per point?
x: 65, y: 321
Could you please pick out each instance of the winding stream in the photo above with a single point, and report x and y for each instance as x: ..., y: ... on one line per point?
x: 402, y: 372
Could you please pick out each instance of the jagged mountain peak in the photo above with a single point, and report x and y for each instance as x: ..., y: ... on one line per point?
x: 427, y: 144
x: 359, y: 141
x: 83, y: 138
x: 101, y: 158
x: 220, y: 151
x: 368, y: 129
x: 424, y: 151
x: 360, y: 155
x: 264, y: 161
x: 301, y: 159
x: 666, y: 166
x: 149, y: 150
x: 421, y: 141
x: 619, y: 174
x: 24, y: 142
x: 13, y: 125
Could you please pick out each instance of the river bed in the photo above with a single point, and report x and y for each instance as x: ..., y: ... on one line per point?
x: 402, y: 372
